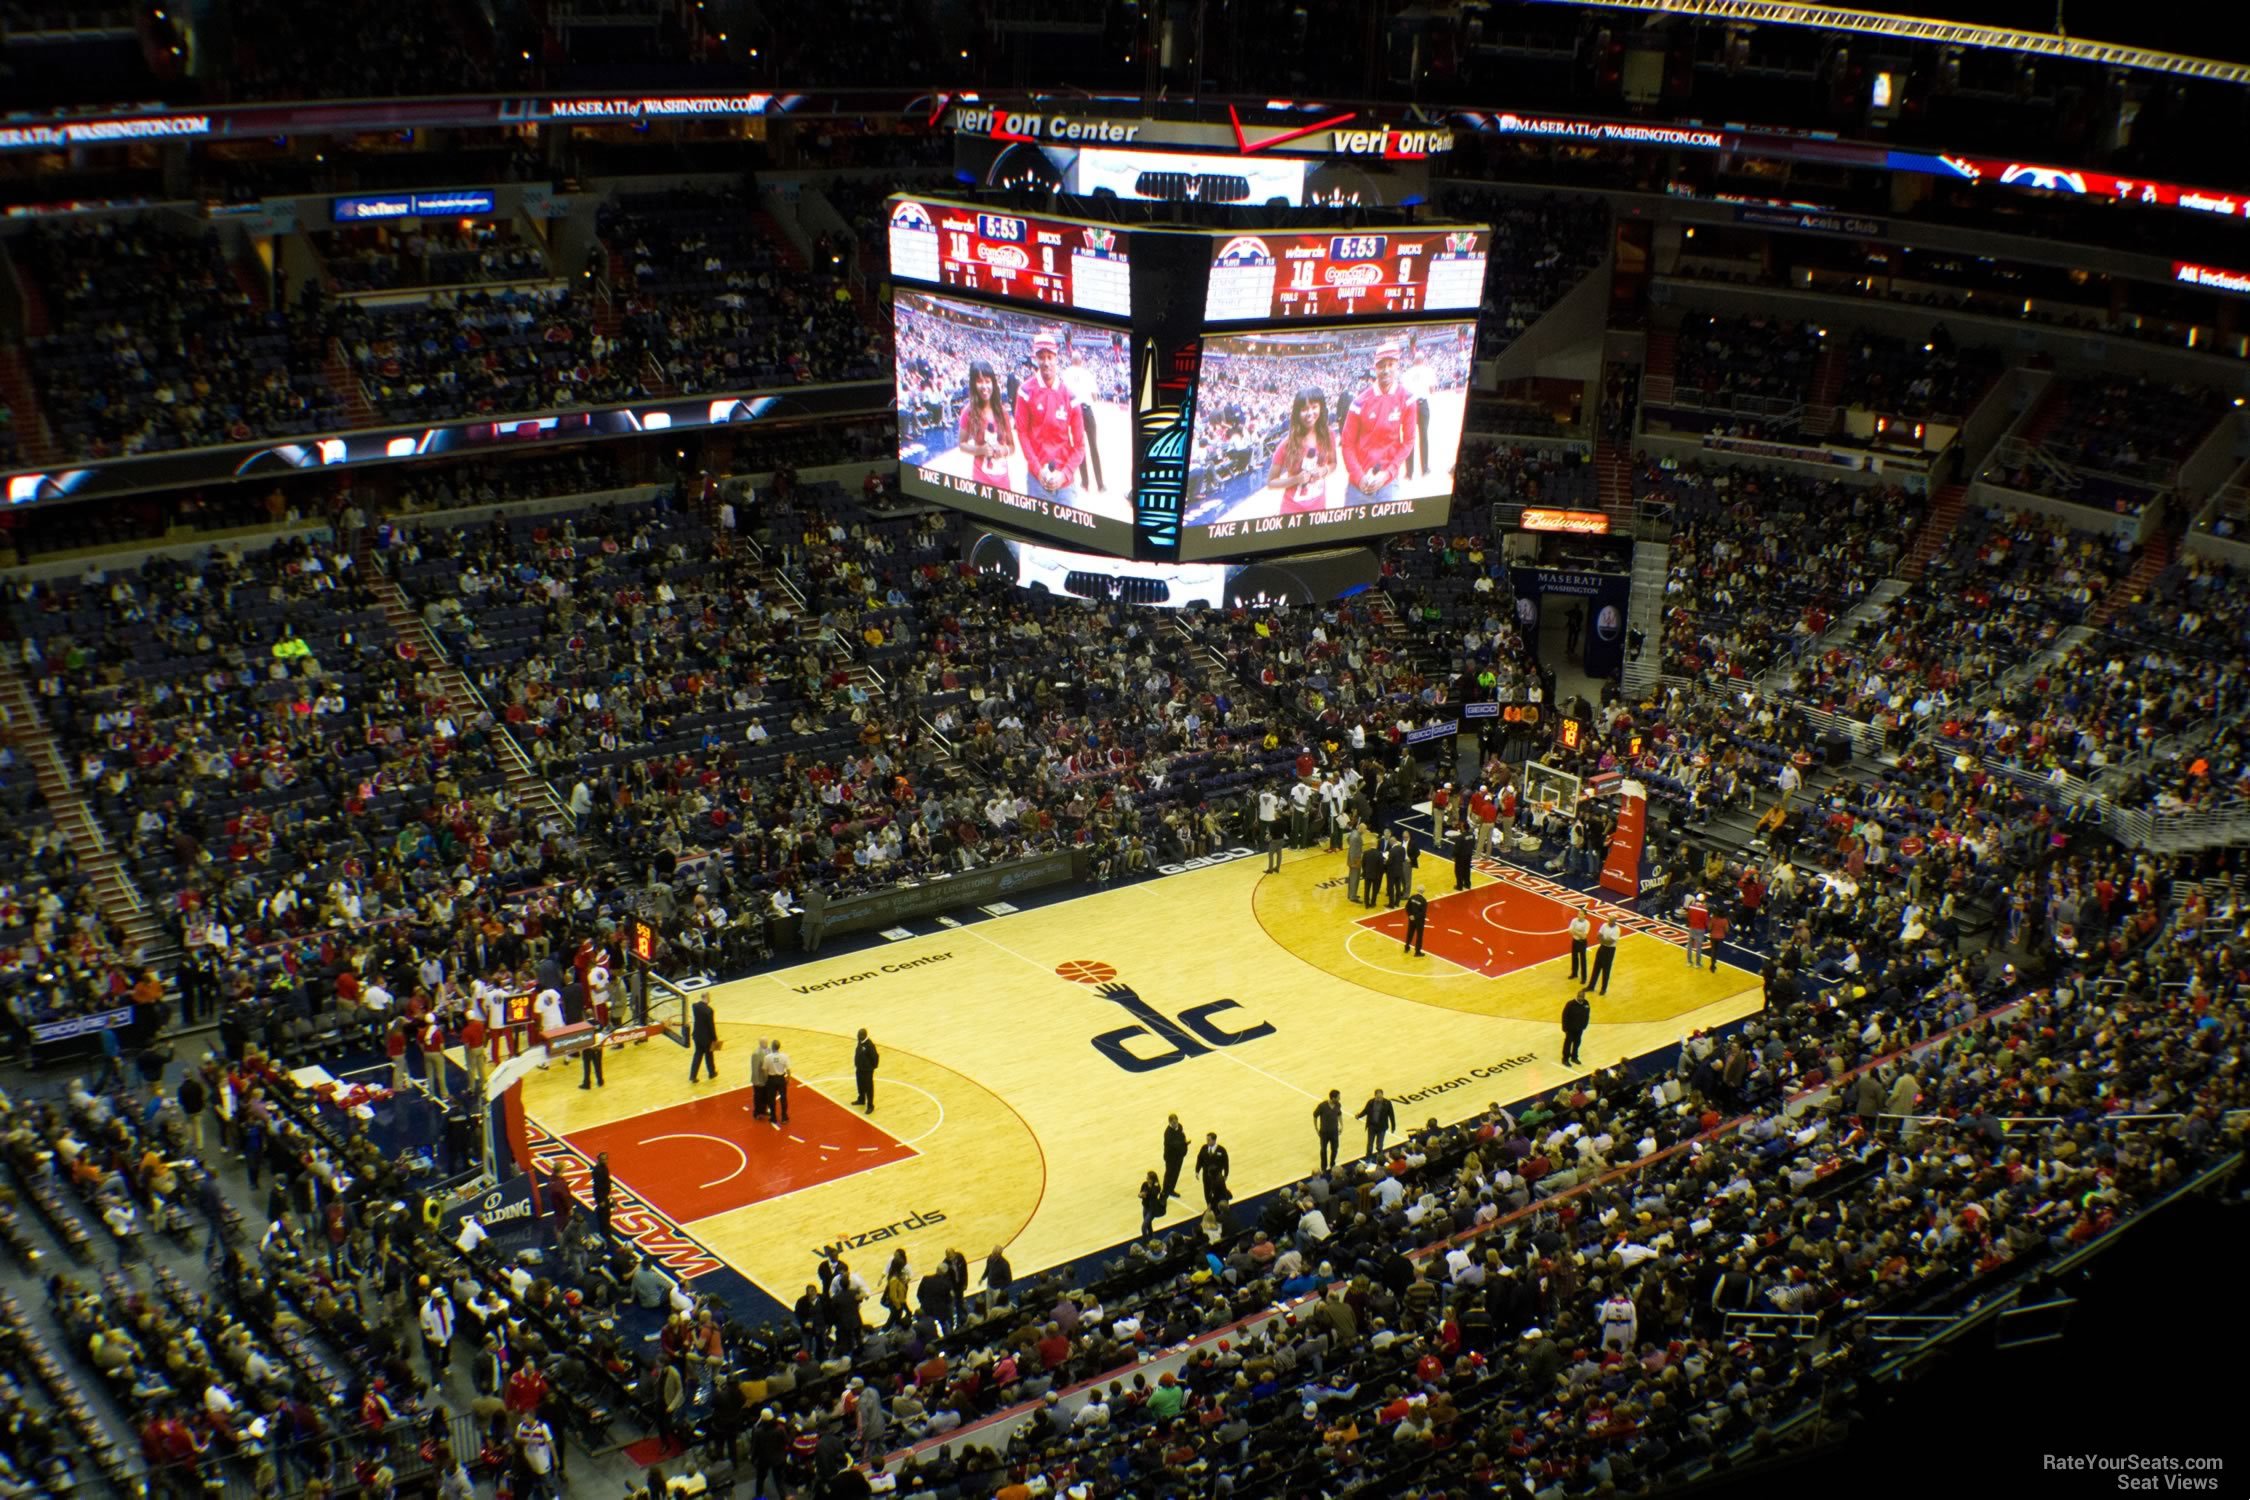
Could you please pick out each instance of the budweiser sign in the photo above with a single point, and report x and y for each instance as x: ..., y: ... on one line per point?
x: 1583, y: 522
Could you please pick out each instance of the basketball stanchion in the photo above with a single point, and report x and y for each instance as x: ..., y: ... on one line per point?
x: 668, y: 1008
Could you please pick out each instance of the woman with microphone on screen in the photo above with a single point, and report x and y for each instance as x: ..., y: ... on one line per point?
x: 1306, y: 455
x: 986, y: 434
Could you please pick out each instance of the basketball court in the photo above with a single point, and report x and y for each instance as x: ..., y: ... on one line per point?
x: 1030, y: 1059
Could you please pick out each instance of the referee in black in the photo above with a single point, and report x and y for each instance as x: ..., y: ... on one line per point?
x: 865, y: 1060
x: 1417, y: 917
x: 704, y: 1031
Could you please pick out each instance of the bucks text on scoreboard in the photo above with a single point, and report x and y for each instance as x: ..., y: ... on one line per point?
x: 1256, y: 277
x: 1024, y: 259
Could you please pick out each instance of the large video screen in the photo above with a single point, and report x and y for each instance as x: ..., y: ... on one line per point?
x: 1017, y: 416
x: 1185, y: 175
x: 1258, y: 278
x: 1303, y: 438
x: 1059, y: 262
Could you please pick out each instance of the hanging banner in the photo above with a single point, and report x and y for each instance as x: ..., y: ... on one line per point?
x: 1601, y: 639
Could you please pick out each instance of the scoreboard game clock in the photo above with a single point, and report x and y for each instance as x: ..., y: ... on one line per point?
x: 1278, y: 277
x: 1049, y: 262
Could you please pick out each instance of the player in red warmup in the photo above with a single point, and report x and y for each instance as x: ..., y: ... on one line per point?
x: 1049, y: 427
x: 1378, y: 434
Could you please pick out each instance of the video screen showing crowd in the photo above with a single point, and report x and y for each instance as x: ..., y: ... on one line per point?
x: 1306, y: 437
x: 1017, y: 416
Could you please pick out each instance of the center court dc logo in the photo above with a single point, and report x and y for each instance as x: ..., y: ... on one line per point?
x: 1193, y: 1034
x: 1608, y: 622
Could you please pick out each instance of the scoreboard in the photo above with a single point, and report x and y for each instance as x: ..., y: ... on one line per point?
x: 1051, y: 262
x: 1270, y: 277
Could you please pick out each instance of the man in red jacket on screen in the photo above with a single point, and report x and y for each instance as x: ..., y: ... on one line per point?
x: 1050, y: 427
x: 1379, y: 433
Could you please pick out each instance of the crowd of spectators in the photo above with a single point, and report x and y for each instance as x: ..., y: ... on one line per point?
x: 58, y: 952
x: 639, y: 651
x: 2116, y: 443
x: 1541, y: 248
x: 1935, y: 379
x: 1764, y: 567
x: 1763, y: 563
x: 462, y: 486
x: 1547, y: 1294
x: 268, y: 758
x: 2002, y: 591
x: 715, y: 302
x: 431, y: 252
x: 477, y: 353
x: 161, y: 346
x: 2152, y: 710
x: 282, y: 50
x: 164, y: 347
x: 866, y: 43
x: 1720, y: 359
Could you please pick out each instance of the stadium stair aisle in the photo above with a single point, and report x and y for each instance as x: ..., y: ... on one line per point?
x: 344, y: 380
x: 1827, y: 384
x: 34, y: 439
x: 254, y: 281
x: 525, y: 785
x: 1937, y: 530
x: 121, y: 902
x: 1656, y: 376
x: 2155, y: 557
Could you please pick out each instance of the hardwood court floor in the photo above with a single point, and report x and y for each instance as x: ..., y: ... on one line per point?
x: 1029, y: 1060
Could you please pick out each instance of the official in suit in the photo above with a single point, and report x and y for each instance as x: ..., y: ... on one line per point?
x: 1417, y: 919
x: 1379, y: 1116
x: 1212, y: 1166
x: 1355, y: 850
x: 1175, y: 1156
x: 601, y: 1192
x: 865, y: 1059
x: 1575, y: 1014
x: 1464, y: 853
x: 1328, y: 1124
x: 1397, y: 868
x: 704, y: 1032
x: 1371, y: 872
x: 814, y: 918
